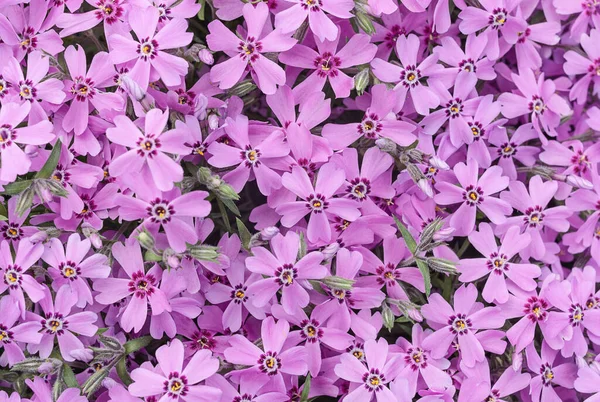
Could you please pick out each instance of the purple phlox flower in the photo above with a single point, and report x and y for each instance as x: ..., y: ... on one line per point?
x: 471, y: 60
x: 85, y: 87
x: 496, y: 263
x: 16, y: 162
x: 387, y: 272
x: 148, y: 51
x: 478, y: 388
x: 96, y: 206
x: 14, y: 273
x: 306, y: 150
x: 528, y: 48
x: 474, y: 193
x: 169, y: 210
x: 273, y: 360
x: 60, y: 322
x: 588, y: 14
x: 314, y: 332
x: 418, y: 363
x: 31, y: 88
x: 71, y: 172
x: 11, y: 334
x: 576, y: 311
x: 183, y: 308
x: 236, y: 294
x: 318, y: 201
x: 496, y: 17
x: 539, y: 99
x: 370, y: 381
x: 507, y: 150
x: 459, y: 324
x: 536, y: 214
x: 588, y: 382
x: 284, y: 272
x: 378, y: 122
x: 578, y: 64
x: 174, y: 381
x: 110, y: 12
x: 71, y: 268
x: 43, y: 393
x: 548, y: 372
x: 410, y: 76
x: 142, y: 286
x: 247, y: 54
x: 208, y: 333
x: 250, y: 154
x: 13, y: 229
x: 456, y: 107
x: 340, y: 303
x: 482, y: 125
x: 170, y: 9
x: 588, y: 234
x: 251, y: 389
x: 394, y: 25
x: 186, y: 101
x: 312, y: 111
x: 328, y: 63
x: 28, y: 29
x: 576, y: 158
x: 148, y: 149
x: 316, y: 11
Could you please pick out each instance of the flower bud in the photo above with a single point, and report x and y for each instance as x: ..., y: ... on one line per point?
x: 45, y: 368
x: 173, y: 261
x: 268, y: 233
x: 331, y: 250
x: 580, y: 182
x: 242, y: 88
x: 425, y: 186
x: 38, y: 237
x: 388, y: 316
x: 361, y: 81
x: 108, y: 383
x: 31, y: 151
x: 337, y: 282
x: 82, y: 354
x: 24, y: 202
x: 213, y: 121
x: 96, y: 240
x: 364, y: 22
x: 206, y: 57
x: 442, y: 265
x: 132, y: 88
x: 517, y: 361
x: 204, y: 252
x: 388, y: 146
x: 443, y: 234
x: 54, y: 187
x: 145, y: 239
x: 436, y: 162
x: 200, y: 104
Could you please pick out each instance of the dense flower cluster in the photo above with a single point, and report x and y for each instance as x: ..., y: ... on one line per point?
x: 299, y: 200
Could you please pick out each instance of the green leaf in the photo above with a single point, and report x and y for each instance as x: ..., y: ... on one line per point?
x: 69, y: 377
x: 94, y: 381
x: 123, y: 373
x: 408, y: 239
x: 224, y: 214
x: 231, y: 206
x: 306, y: 389
x: 3, y: 218
x: 244, y: 233
x: 426, y: 276
x: 3, y: 211
x: 101, y: 331
x: 150, y: 255
x: 303, y: 247
x: 202, y: 8
x: 17, y: 187
x: 136, y: 344
x: 48, y: 168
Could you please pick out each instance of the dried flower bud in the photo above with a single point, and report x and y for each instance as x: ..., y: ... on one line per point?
x: 388, y: 146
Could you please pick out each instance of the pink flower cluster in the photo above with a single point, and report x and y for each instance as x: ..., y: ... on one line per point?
x: 299, y: 200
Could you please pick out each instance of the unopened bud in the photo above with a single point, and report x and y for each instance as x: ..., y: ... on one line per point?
x: 442, y: 265
x: 436, y: 162
x: 388, y: 316
x: 46, y: 368
x: 145, y: 239
x: 365, y: 23
x: 82, y: 354
x: 337, y: 282
x: 24, y: 202
x: 386, y: 145
x: 242, y: 88
x: 579, y: 182
x: 192, y: 54
x: 517, y: 361
x: 268, y: 233
x: 425, y: 186
x: 331, y: 250
x: 31, y: 151
x: 414, y: 172
x: 38, y: 237
x: 108, y: 383
x: 55, y: 187
x: 96, y: 240
x: 213, y: 121
x: 206, y: 57
x: 200, y: 104
x: 443, y: 234
x: 361, y: 81
x: 204, y: 252
x: 132, y: 88
x: 173, y: 261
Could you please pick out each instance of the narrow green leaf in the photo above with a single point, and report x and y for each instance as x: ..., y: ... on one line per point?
x: 408, y: 239
x: 69, y: 377
x: 202, y: 8
x: 3, y: 211
x: 48, y: 168
x: 224, y: 214
x: 231, y: 206
x: 244, y: 233
x: 17, y: 187
x: 136, y: 344
x: 306, y: 389
x: 123, y: 373
x: 426, y: 276
x: 303, y: 246
x: 101, y: 331
x: 150, y: 255
x: 3, y: 218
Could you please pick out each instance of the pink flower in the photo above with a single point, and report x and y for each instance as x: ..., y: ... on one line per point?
x: 549, y: 373
x: 284, y: 272
x: 26, y: 332
x: 328, y: 63
x: 11, y: 115
x: 250, y: 154
x: 508, y: 150
x: 148, y: 50
x: 496, y: 263
x: 247, y: 54
x: 317, y: 201
x: 320, y: 24
x: 460, y: 323
x: 142, y: 286
x: 170, y: 379
x: 111, y: 12
x: 148, y: 148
